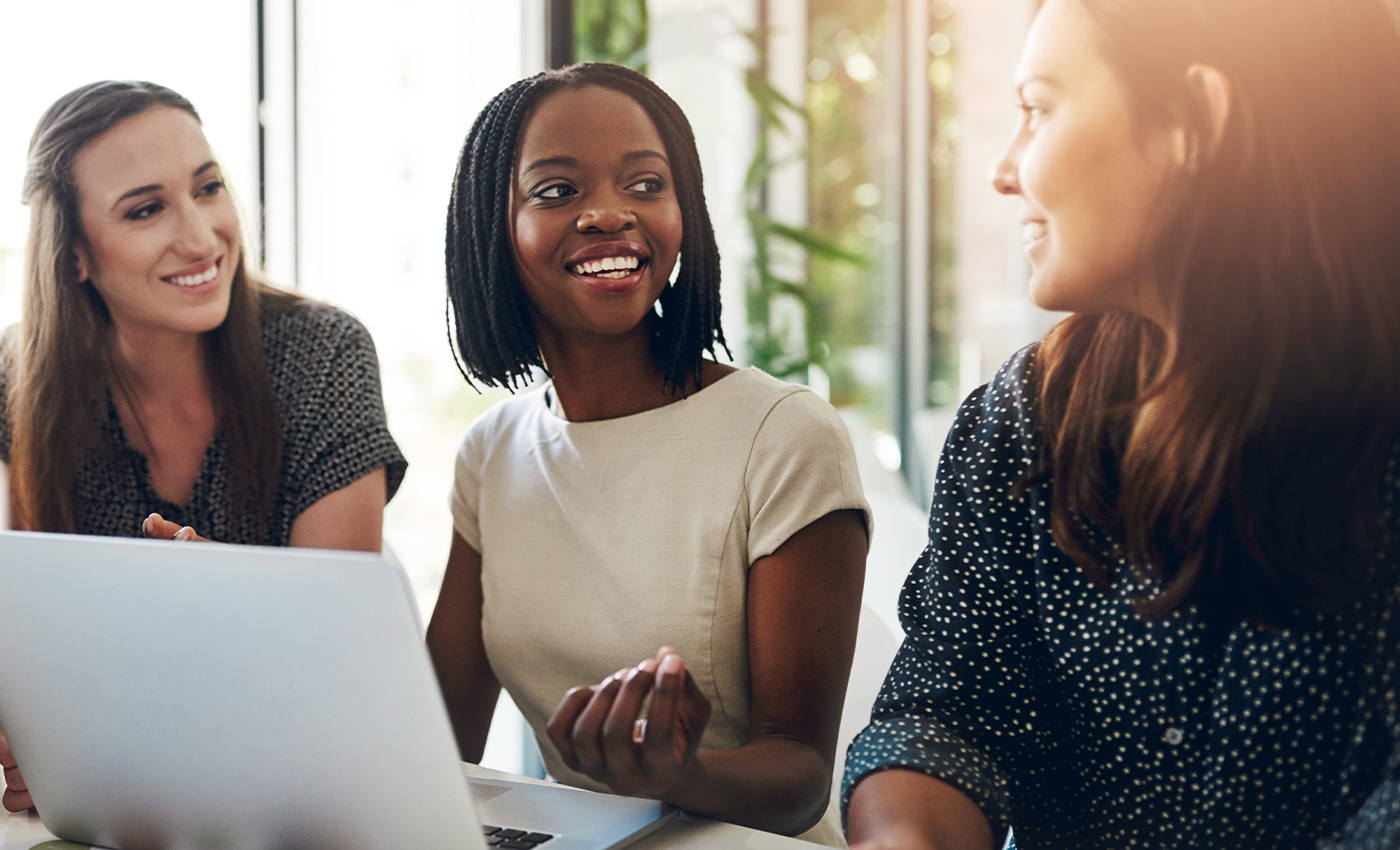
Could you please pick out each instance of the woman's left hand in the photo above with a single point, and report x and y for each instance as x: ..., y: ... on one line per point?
x: 157, y: 527
x: 600, y: 732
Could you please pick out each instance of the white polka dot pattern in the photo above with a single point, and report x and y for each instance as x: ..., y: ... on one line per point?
x: 1060, y: 712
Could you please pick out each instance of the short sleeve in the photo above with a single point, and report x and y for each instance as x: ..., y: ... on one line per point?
x: 465, y: 500
x: 335, y: 420
x: 801, y: 468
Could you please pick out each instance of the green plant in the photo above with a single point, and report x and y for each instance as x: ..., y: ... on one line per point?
x: 770, y: 348
x: 611, y: 31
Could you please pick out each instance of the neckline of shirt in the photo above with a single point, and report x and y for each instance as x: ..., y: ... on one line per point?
x: 707, y: 392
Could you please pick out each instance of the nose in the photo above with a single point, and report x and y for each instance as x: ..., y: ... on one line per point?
x: 1004, y: 176
x: 608, y: 213
x: 196, y: 237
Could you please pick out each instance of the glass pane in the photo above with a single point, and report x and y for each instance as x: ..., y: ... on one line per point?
x: 386, y: 98
x: 203, y: 50
x: 611, y: 31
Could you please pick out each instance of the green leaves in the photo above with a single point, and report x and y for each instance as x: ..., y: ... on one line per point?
x: 770, y: 347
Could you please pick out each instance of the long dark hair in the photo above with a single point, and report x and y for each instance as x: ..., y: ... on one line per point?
x: 1243, y: 468
x: 489, y: 324
x: 60, y: 361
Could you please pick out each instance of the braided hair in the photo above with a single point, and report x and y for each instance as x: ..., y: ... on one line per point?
x: 488, y: 311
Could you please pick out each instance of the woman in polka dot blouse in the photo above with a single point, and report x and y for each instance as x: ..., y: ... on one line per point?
x: 1158, y: 604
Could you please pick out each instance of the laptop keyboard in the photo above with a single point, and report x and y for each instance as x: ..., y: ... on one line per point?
x: 513, y: 839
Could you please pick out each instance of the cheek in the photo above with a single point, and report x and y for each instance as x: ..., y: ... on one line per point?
x: 528, y: 241
x: 1098, y: 189
x: 227, y: 222
x: 114, y: 257
x: 668, y: 231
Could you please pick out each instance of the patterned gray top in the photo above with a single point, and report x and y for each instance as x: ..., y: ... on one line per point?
x: 1063, y: 714
x: 325, y: 374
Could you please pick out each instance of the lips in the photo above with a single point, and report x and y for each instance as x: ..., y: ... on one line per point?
x: 610, y: 267
x: 195, y: 275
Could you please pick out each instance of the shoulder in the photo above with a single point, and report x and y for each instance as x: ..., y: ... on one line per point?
x: 302, y: 325
x: 501, y: 421
x: 994, y: 443
x: 754, y: 393
x: 1001, y: 416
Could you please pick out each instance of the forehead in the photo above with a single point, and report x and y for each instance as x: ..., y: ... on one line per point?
x: 1060, y: 44
x: 160, y: 146
x: 590, y: 124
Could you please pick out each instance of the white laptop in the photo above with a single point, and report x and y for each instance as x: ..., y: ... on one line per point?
x: 201, y: 696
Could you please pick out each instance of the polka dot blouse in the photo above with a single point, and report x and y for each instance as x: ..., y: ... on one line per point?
x: 1064, y: 715
x: 325, y: 375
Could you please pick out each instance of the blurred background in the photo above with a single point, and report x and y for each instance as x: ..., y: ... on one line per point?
x: 847, y: 148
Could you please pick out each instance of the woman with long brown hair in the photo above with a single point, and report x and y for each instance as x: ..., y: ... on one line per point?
x: 153, y: 383
x: 1157, y: 607
x: 151, y: 372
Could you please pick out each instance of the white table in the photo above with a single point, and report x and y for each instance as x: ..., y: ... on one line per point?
x: 26, y: 832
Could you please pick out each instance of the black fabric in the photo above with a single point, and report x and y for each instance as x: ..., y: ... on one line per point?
x: 1065, y: 716
x: 325, y: 374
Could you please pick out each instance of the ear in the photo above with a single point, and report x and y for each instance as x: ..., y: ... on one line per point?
x: 82, y: 263
x: 1212, y: 87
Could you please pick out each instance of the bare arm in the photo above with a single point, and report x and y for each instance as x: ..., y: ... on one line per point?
x: 349, y: 518
x: 803, y: 607
x: 907, y: 810
x: 469, y: 687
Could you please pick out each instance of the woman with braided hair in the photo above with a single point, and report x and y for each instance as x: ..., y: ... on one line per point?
x: 646, y: 502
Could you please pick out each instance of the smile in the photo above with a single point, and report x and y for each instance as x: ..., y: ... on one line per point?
x: 613, y: 268
x: 196, y: 277
x: 1035, y: 231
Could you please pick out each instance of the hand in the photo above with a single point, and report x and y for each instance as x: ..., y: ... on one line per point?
x: 16, y: 797
x: 600, y: 733
x: 157, y: 527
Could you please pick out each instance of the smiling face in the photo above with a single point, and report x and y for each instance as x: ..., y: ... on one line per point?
x: 596, y: 226
x: 160, y: 232
x: 1090, y: 177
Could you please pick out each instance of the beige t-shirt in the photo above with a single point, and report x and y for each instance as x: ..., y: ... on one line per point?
x: 603, y: 541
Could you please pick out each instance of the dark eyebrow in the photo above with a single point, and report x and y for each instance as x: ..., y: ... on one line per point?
x: 636, y: 155
x: 560, y: 161
x: 570, y: 162
x: 156, y: 187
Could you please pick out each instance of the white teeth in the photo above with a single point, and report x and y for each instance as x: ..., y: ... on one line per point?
x: 603, y: 267
x: 196, y: 279
x: 1035, y: 230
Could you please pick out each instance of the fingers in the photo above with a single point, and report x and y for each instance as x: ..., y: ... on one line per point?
x: 620, y: 727
x: 588, y: 746
x: 158, y: 527
x: 561, y: 723
x: 14, y: 780
x: 17, y: 801
x: 659, y: 748
x: 16, y: 797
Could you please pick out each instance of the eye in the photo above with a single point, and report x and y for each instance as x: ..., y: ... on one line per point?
x: 1032, y: 115
x: 144, y: 211
x: 213, y: 187
x: 648, y: 186
x: 556, y: 191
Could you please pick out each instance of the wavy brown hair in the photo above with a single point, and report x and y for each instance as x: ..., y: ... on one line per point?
x: 60, y: 359
x: 1243, y: 468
